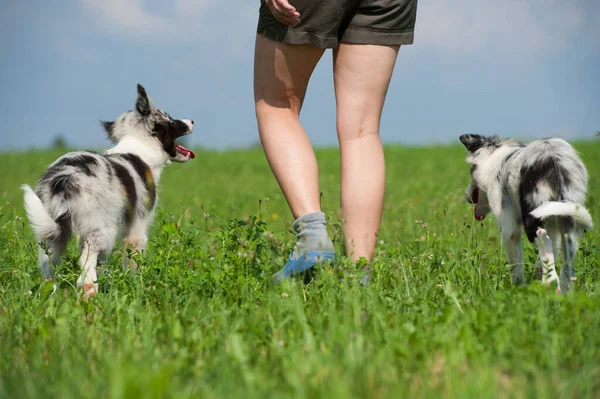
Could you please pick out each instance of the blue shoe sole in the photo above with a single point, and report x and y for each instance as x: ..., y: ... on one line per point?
x: 304, y: 263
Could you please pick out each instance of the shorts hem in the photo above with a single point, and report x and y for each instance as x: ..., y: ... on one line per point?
x: 383, y: 37
x: 293, y: 36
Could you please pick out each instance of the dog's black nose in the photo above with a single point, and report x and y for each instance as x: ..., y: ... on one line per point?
x: 191, y: 120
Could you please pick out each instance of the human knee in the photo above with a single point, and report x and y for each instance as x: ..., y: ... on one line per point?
x: 266, y: 107
x: 275, y: 95
x: 356, y: 131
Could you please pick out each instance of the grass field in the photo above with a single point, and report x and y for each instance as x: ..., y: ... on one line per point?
x: 440, y: 319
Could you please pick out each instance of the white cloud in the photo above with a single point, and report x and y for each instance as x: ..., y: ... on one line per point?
x: 127, y: 17
x: 507, y: 26
x: 188, y: 20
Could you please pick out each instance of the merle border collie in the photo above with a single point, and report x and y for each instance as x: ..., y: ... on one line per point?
x: 100, y: 197
x: 541, y: 187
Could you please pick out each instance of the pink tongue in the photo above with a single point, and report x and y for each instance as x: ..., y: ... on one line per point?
x: 478, y: 216
x: 182, y: 150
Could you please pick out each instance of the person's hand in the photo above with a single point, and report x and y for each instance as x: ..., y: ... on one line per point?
x: 283, y: 11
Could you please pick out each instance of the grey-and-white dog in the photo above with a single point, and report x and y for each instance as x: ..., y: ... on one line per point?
x: 100, y: 197
x: 541, y: 187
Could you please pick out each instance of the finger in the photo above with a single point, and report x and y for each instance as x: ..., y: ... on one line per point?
x: 274, y: 7
x: 284, y: 4
x: 287, y: 9
x: 294, y: 14
x: 287, y: 20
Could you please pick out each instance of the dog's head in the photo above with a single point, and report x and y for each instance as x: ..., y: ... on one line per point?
x: 480, y: 148
x: 152, y: 125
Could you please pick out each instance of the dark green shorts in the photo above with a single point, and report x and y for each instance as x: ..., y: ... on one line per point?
x: 326, y: 23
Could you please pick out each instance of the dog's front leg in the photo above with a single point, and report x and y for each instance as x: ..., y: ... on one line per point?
x: 513, y: 248
x: 510, y: 228
x: 510, y: 231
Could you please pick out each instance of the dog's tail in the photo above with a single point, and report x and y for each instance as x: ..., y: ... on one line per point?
x: 43, y: 225
x: 580, y: 215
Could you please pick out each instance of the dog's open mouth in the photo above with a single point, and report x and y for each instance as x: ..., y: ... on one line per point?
x: 473, y: 196
x: 479, y: 212
x: 184, y: 151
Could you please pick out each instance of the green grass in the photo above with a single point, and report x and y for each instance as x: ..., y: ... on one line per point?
x: 441, y: 318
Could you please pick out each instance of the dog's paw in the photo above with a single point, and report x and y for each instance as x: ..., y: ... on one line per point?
x: 553, y: 284
x: 89, y: 290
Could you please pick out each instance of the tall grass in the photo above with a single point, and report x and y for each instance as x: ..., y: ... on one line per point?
x: 200, y: 319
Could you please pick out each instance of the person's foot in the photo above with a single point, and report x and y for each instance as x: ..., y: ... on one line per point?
x: 300, y: 264
x: 366, y: 279
x: 313, y: 246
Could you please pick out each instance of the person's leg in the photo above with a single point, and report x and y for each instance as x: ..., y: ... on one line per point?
x: 361, y: 76
x: 281, y: 75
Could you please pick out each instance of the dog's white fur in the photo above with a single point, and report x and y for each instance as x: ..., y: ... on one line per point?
x: 100, y: 197
x: 541, y: 187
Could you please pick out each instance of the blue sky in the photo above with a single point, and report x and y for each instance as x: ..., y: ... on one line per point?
x: 516, y: 68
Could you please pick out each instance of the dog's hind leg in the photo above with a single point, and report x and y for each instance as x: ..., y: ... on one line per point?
x: 135, y: 240
x: 546, y: 253
x: 87, y: 262
x: 554, y: 234
x: 103, y: 259
x: 44, y: 262
x: 569, y: 248
x: 49, y: 257
x: 50, y: 250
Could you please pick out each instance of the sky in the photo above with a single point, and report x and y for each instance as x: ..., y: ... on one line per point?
x: 515, y: 68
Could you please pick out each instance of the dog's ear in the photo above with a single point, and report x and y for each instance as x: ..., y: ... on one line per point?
x: 472, y: 142
x: 108, y: 126
x: 142, y: 105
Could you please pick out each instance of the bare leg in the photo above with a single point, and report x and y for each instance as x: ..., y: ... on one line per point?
x: 281, y: 75
x: 361, y: 75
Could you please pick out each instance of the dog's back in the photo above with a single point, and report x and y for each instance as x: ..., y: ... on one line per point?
x: 95, y: 195
x: 552, y: 182
x: 551, y: 170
